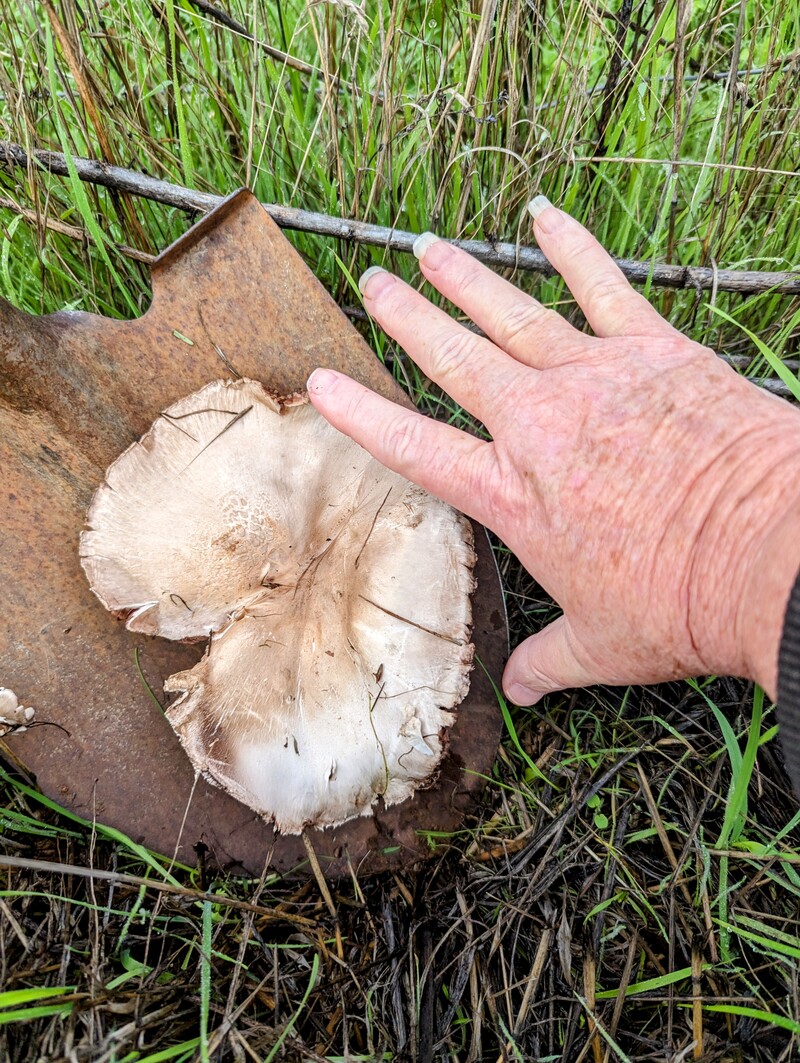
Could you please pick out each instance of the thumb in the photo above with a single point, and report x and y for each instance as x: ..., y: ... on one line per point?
x: 543, y: 663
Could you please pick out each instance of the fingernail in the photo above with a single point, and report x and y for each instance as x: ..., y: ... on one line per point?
x: 422, y: 243
x: 522, y: 695
x: 539, y: 206
x: 320, y: 380
x: 367, y: 276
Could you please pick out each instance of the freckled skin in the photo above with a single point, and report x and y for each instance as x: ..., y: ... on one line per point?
x: 648, y: 487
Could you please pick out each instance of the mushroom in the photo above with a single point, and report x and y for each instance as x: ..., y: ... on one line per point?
x: 335, y: 595
x: 13, y: 716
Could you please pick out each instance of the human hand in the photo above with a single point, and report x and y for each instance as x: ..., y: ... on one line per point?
x: 650, y: 489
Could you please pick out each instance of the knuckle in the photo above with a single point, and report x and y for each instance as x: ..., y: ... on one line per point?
x: 451, y: 351
x: 398, y: 304
x: 405, y: 440
x: 578, y: 243
x: 469, y: 274
x: 519, y: 321
x: 527, y: 670
x: 540, y: 676
x: 473, y: 472
x: 604, y: 290
x: 355, y: 404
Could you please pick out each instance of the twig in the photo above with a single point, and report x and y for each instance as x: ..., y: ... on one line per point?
x: 697, y: 278
x: 285, y: 58
x: 231, y: 23
x: 325, y: 892
x: 74, y: 232
x: 51, y: 867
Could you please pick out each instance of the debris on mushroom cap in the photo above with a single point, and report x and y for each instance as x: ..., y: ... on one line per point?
x: 335, y: 593
x: 13, y: 716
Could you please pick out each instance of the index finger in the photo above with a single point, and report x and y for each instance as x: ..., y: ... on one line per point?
x: 452, y: 465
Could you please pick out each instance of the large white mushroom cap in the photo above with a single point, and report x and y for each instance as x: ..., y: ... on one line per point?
x: 335, y: 593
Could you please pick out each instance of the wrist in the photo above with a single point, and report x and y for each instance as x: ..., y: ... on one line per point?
x: 766, y: 594
x: 748, y: 555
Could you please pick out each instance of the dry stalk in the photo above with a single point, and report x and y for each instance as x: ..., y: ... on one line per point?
x: 502, y: 255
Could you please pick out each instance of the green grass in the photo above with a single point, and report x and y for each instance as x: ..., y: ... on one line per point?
x: 670, y: 841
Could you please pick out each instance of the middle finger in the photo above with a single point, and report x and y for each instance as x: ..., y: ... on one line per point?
x: 517, y: 322
x: 476, y: 373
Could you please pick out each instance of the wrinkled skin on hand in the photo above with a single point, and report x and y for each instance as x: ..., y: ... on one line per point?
x: 653, y: 492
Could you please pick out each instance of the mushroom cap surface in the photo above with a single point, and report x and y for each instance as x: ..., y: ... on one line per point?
x: 334, y: 592
x: 13, y: 716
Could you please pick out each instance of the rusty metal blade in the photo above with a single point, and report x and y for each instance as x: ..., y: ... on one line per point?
x: 231, y: 296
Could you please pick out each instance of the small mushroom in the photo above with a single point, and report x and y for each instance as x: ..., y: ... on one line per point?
x: 13, y: 716
x: 335, y: 595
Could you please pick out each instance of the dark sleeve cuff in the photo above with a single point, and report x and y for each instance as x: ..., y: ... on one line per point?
x: 789, y: 687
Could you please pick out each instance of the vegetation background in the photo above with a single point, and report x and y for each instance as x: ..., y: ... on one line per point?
x: 630, y: 888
